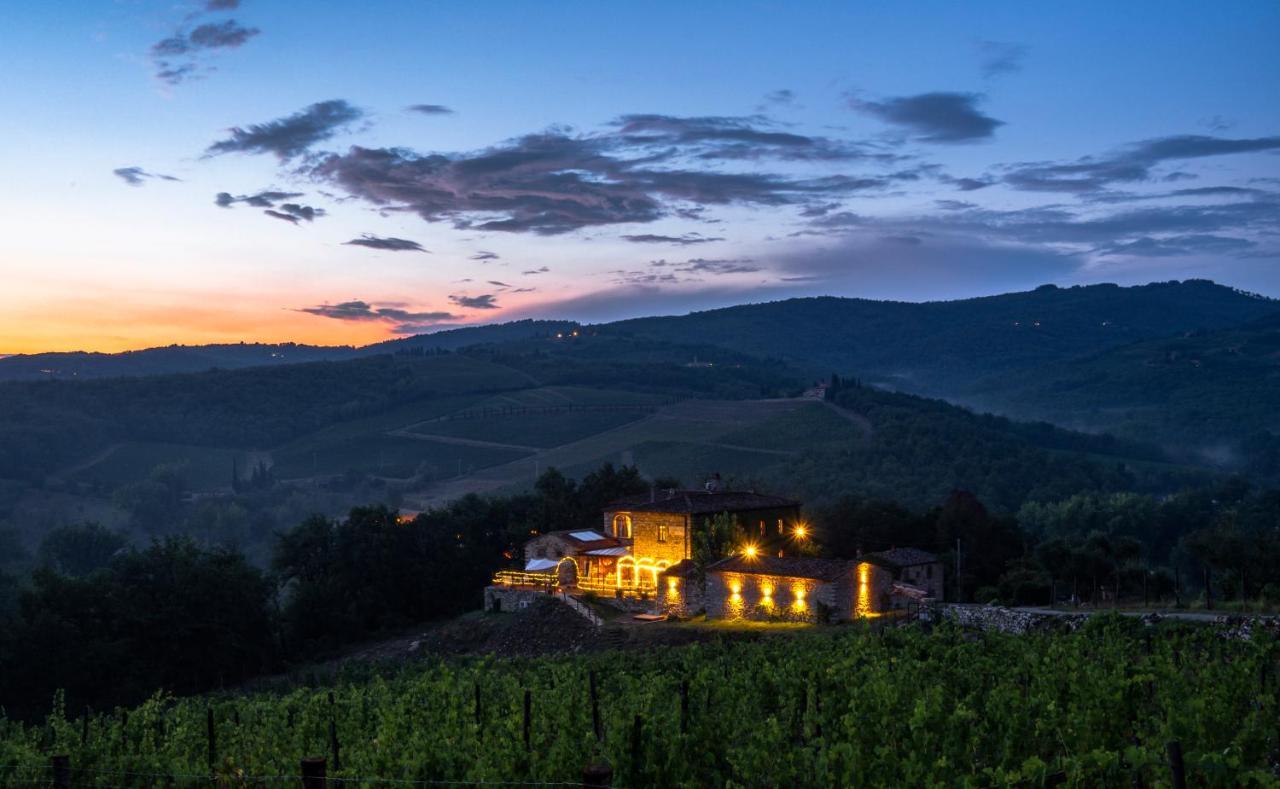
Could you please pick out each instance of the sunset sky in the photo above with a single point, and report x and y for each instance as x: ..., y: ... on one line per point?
x: 339, y: 172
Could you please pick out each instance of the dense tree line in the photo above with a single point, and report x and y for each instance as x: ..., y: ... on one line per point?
x: 110, y: 623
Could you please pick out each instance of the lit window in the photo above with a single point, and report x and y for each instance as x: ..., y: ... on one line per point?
x: 622, y: 526
x: 779, y: 525
x: 663, y: 532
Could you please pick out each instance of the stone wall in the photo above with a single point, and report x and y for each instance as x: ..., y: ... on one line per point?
x: 1010, y: 620
x: 682, y: 597
x: 506, y: 598
x: 765, y: 597
x: 926, y: 576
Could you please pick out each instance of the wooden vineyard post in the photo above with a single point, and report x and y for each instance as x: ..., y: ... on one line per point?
x: 1208, y: 590
x: 528, y: 713
x: 211, y: 735
x: 595, y: 709
x: 333, y: 736
x: 637, y: 750
x: 1177, y: 770
x: 313, y: 773
x: 479, y: 711
x: 61, y: 767
x: 684, y: 706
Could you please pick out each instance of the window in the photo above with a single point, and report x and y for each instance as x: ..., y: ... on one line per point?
x: 761, y: 528
x: 779, y: 525
x: 622, y: 526
x: 663, y: 532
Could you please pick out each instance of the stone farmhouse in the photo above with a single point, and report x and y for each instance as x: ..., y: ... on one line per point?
x: 643, y: 554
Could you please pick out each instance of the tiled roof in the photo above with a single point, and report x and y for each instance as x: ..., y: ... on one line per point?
x: 789, y: 566
x: 699, y: 502
x: 904, y: 557
x: 580, y: 539
x: 681, y: 569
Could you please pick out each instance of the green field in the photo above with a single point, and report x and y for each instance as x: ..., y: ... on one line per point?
x: 571, y: 395
x: 694, y: 463
x: 387, y: 456
x: 534, y: 430
x: 202, y: 467
x: 812, y: 424
x: 842, y: 706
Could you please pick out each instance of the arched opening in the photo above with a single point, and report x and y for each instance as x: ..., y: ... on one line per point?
x: 567, y: 572
x: 622, y: 526
x: 626, y: 572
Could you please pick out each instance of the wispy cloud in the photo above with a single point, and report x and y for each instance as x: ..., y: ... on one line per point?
x: 685, y: 240
x: 177, y: 57
x: 487, y: 301
x: 997, y: 58
x: 405, y: 321
x: 934, y: 117
x: 136, y: 176
x: 389, y: 243
x: 292, y: 135
x: 430, y: 109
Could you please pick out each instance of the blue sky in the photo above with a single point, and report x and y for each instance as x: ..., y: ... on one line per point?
x: 596, y: 161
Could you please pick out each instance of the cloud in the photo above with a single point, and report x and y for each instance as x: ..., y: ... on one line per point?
x: 483, y: 255
x: 136, y: 176
x: 406, y: 321
x: 936, y: 117
x: 1128, y: 165
x: 430, y: 109
x: 187, y: 46
x: 685, y: 240
x: 644, y: 168
x: 498, y: 284
x: 263, y: 199
x: 487, y: 301
x: 783, y: 96
x: 1171, y: 246
x: 211, y: 35
x: 290, y: 136
x: 998, y: 58
x: 730, y: 137
x: 539, y: 270
x: 281, y: 215
x: 221, y: 5
x: 388, y: 243
x: 709, y: 266
x: 304, y: 212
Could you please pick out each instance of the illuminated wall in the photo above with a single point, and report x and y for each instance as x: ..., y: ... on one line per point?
x: 764, y: 597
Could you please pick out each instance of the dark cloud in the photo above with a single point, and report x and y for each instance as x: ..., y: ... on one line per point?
x: 540, y: 270
x: 406, y: 321
x: 1171, y: 246
x: 997, y: 58
x: 483, y: 255
x: 264, y: 199
x: 281, y: 215
x: 487, y: 301
x: 954, y: 205
x: 684, y: 241
x: 935, y: 117
x: 710, y: 266
x: 176, y: 57
x: 1128, y: 165
x: 728, y: 137
x: 781, y: 96
x: 221, y: 5
x: 645, y: 168
x: 430, y: 109
x: 290, y: 136
x: 1219, y: 228
x: 969, y: 184
x: 498, y: 284
x: 136, y: 176
x: 388, y: 243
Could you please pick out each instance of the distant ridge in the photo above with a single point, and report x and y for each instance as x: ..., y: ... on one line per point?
x: 930, y: 347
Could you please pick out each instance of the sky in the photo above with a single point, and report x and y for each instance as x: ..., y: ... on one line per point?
x: 343, y: 173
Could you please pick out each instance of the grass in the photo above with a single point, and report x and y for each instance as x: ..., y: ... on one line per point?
x: 537, y: 430
x: 570, y: 395
x: 204, y: 467
x: 389, y: 456
x: 810, y: 425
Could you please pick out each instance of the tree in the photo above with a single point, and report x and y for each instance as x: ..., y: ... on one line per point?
x: 80, y: 549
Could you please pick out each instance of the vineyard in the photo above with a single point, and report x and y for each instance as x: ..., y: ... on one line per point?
x: 849, y: 706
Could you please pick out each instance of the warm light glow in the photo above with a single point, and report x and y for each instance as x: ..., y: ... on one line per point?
x: 766, y: 592
x: 735, y: 586
x: 862, y: 605
x: 797, y: 592
x: 672, y: 587
x: 750, y: 551
x: 799, y: 531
